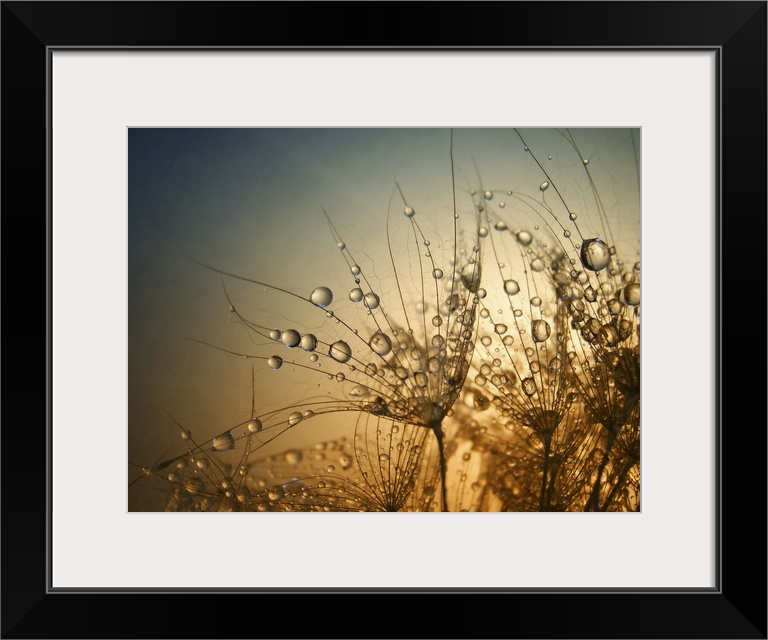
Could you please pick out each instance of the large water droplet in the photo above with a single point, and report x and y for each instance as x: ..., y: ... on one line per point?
x: 537, y: 265
x: 380, y: 343
x: 295, y: 418
x: 223, y: 442
x: 340, y: 351
x: 275, y: 334
x: 194, y: 485
x: 371, y: 300
x: 437, y: 274
x: 290, y: 338
x: 255, y: 425
x: 409, y: 212
x: 511, y: 287
x: 356, y: 295
x: 595, y: 254
x: 529, y: 386
x: 544, y: 186
x: 470, y: 276
x: 524, y: 238
x: 500, y: 328
x: 308, y: 342
x: 488, y: 195
x: 275, y: 362
x: 540, y: 330
x: 322, y: 296
x: 632, y: 294
x: 276, y: 493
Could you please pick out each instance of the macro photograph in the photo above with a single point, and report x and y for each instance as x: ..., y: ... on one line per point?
x: 384, y: 319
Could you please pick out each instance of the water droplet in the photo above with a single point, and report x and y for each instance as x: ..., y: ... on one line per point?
x: 540, y: 330
x: 437, y: 274
x: 482, y: 232
x: 295, y: 418
x: 340, y: 377
x: 511, y: 287
x: 537, y: 265
x: 585, y: 160
x: 223, y: 442
x: 275, y: 362
x: 500, y: 226
x: 529, y: 386
x: 322, y: 296
x: 595, y: 254
x: 371, y: 300
x: 508, y: 341
x: 275, y: 334
x: 380, y: 343
x: 341, y: 246
x: 500, y: 328
x: 255, y: 425
x: 186, y: 434
x: 194, y: 485
x: 355, y: 270
x: 331, y: 468
x: 524, y: 238
x: 421, y: 378
x: 486, y: 341
x: 308, y: 342
x: 371, y: 369
x: 276, y: 493
x: 313, y: 358
x: 290, y: 338
x: 340, y: 351
x: 544, y: 186
x: 632, y: 294
x: 202, y: 463
x: 437, y: 321
x: 293, y: 456
x: 470, y: 276
x: 409, y: 212
x: 356, y: 295
x: 488, y: 195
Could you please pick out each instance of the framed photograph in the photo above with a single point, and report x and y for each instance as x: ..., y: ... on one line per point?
x: 287, y: 278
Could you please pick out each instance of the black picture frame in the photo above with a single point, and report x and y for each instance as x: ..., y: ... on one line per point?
x: 736, y: 608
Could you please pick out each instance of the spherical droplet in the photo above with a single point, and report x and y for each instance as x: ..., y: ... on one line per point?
x: 355, y: 270
x: 340, y: 351
x: 529, y: 386
x: 275, y: 362
x: 500, y: 226
x: 437, y: 274
x: 322, y: 296
x: 482, y: 232
x: 194, y: 485
x: 331, y: 468
x: 511, y: 287
x: 524, y: 238
x: 308, y: 342
x: 380, y: 343
x: 276, y: 492
x: 544, y: 186
x: 295, y: 418
x: 409, y: 212
x: 371, y: 300
x: 341, y: 246
x: 290, y: 338
x: 500, y: 328
x: 486, y: 341
x: 632, y: 294
x: 255, y: 425
x: 540, y: 330
x: 595, y: 254
x: 275, y: 334
x: 537, y: 265
x: 470, y: 276
x: 488, y: 195
x: 356, y: 295
x: 223, y: 442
